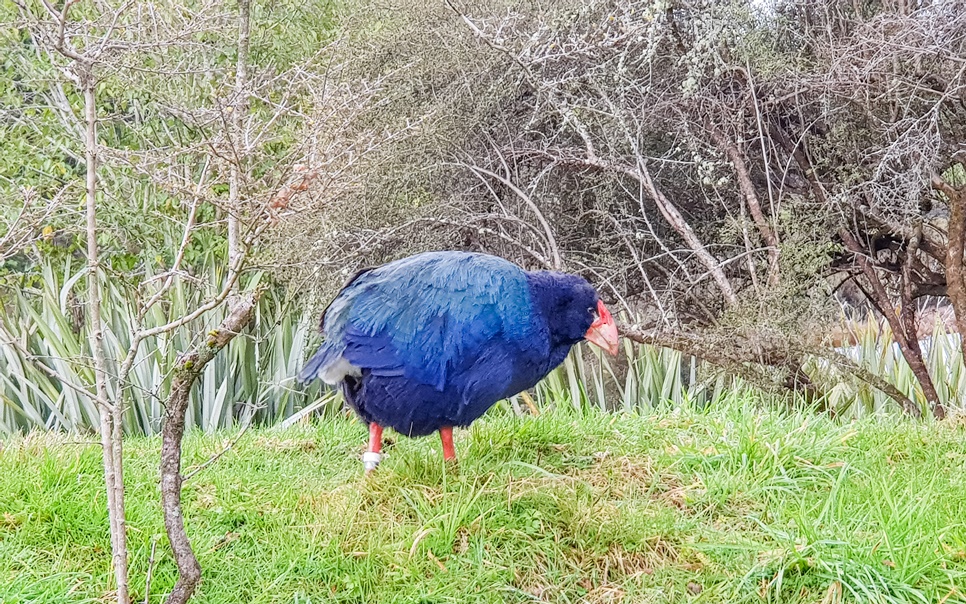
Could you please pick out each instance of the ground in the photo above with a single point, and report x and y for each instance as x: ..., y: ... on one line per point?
x: 738, y: 504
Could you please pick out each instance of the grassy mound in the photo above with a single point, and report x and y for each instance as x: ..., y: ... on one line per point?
x: 739, y: 504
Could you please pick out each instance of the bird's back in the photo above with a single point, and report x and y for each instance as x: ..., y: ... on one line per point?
x: 432, y: 340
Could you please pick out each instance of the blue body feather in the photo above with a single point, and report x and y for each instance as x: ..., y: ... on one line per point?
x: 436, y: 339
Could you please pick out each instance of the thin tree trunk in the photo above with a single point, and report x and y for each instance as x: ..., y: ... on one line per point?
x: 191, y: 365
x: 671, y: 215
x: 956, y: 246
x: 186, y: 372
x: 189, y: 570
x: 845, y: 363
x: 679, y: 224
x: 111, y: 441
x: 903, y: 327
x: 908, y: 316
x: 239, y: 110
x: 751, y: 200
x: 878, y: 297
x: 956, y: 234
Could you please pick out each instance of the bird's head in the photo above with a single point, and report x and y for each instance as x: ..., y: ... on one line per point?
x: 574, y: 310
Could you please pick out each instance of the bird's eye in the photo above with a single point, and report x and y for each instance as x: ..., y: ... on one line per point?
x: 592, y: 310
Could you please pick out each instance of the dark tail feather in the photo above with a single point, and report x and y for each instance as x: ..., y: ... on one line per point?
x: 314, y: 365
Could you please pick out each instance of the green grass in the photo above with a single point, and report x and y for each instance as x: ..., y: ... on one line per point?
x: 740, y: 504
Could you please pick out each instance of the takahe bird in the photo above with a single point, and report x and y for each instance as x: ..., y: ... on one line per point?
x: 432, y: 341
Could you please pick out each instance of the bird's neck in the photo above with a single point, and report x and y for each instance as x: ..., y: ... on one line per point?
x: 544, y: 295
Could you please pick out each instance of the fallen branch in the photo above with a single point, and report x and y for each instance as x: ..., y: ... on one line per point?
x: 748, y: 362
x: 862, y: 374
x: 740, y: 362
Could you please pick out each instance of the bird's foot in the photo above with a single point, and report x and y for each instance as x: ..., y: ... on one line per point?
x: 371, y: 459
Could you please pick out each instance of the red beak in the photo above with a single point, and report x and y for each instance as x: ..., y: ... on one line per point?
x: 603, y: 331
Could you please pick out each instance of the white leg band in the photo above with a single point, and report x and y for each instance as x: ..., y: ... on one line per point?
x: 371, y: 459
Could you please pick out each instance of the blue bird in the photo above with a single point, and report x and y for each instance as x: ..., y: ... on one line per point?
x: 432, y: 341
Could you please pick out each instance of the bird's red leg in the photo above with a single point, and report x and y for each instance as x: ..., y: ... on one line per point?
x: 446, y: 435
x: 373, y: 454
x: 375, y: 438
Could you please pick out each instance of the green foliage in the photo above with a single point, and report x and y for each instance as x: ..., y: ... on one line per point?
x: 738, y: 503
x: 29, y: 121
x: 251, y: 380
x: 876, y: 351
x: 641, y: 378
x: 955, y: 175
x: 155, y: 106
x: 163, y: 92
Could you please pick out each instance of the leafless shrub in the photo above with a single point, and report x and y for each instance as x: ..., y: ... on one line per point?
x: 702, y: 161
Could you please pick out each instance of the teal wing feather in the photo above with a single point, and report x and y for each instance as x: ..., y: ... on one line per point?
x: 428, y: 315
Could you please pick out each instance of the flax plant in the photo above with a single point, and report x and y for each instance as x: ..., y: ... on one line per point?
x: 252, y: 382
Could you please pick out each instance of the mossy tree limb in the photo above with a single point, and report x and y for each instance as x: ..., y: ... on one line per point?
x: 188, y: 370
